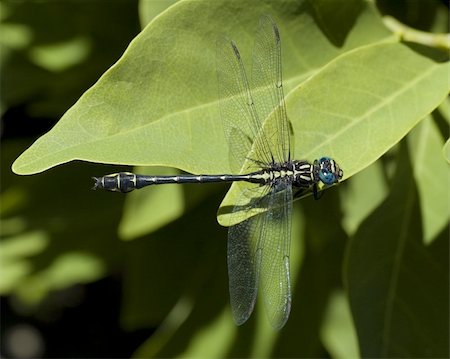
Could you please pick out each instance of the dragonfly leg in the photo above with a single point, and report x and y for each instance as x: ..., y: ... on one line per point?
x: 317, y: 195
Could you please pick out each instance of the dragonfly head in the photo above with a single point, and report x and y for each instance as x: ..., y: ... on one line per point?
x: 329, y: 171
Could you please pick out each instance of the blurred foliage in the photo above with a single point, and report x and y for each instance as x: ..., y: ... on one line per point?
x: 384, y: 232
x: 427, y: 15
x: 45, y: 42
x: 384, y: 271
x: 50, y: 233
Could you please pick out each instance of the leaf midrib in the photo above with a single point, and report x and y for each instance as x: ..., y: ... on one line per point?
x: 396, y: 266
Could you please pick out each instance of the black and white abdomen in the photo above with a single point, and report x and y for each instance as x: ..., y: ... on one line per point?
x: 117, y: 182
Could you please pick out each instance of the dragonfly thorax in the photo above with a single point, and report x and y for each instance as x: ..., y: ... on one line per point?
x: 298, y: 173
x: 305, y: 175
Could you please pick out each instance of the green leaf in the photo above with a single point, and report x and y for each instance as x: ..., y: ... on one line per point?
x: 202, y: 310
x: 150, y: 210
x: 324, y: 242
x: 60, y: 57
x: 53, y: 234
x: 398, y: 288
x: 446, y: 150
x: 444, y: 109
x: 336, y: 21
x: 357, y: 201
x: 65, y: 271
x: 431, y: 173
x: 430, y: 16
x: 158, y: 104
x: 24, y: 245
x: 213, y: 340
x: 148, y: 10
x: 165, y: 270
x: 359, y: 106
x: 46, y: 65
x: 338, y: 332
x: 14, y: 258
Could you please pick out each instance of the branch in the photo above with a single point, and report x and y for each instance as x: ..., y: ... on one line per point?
x: 406, y: 33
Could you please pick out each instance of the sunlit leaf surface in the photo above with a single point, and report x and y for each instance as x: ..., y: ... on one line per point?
x: 359, y: 106
x: 158, y: 104
x: 431, y: 173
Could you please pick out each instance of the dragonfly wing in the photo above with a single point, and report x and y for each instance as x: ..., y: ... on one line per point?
x: 267, y: 90
x: 244, y: 255
x: 274, y: 248
x: 238, y: 111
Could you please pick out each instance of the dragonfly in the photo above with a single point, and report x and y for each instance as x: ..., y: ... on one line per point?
x: 260, y: 142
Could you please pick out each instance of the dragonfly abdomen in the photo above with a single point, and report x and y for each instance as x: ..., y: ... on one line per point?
x: 126, y: 181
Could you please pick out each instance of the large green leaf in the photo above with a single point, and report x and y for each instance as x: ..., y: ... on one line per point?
x: 338, y: 332
x: 359, y: 106
x: 398, y: 288
x: 148, y: 211
x: 158, y: 104
x: 431, y: 173
x: 357, y: 201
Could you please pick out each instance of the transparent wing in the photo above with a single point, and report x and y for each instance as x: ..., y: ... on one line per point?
x: 258, y: 252
x: 244, y: 256
x: 241, y: 122
x: 267, y: 89
x: 275, y: 246
x: 258, y: 246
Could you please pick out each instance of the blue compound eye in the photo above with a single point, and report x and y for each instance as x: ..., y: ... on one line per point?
x: 327, y: 177
x: 324, y: 159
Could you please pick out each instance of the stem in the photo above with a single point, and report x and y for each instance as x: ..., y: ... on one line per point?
x: 406, y: 33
